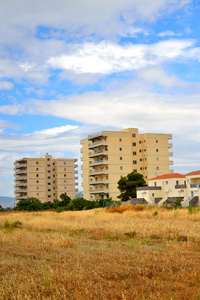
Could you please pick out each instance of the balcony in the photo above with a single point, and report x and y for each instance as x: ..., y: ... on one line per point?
x: 99, y: 191
x: 97, y: 144
x: 194, y: 185
x: 21, y: 198
x: 98, y: 172
x: 18, y: 178
x: 171, y: 162
x: 105, y: 181
x: 170, y: 145
x: 20, y: 191
x: 19, y: 166
x: 76, y: 178
x: 96, y: 135
x: 76, y: 166
x: 170, y: 153
x: 98, y: 162
x: 97, y: 153
x: 21, y: 172
x: 180, y: 186
x: 75, y: 172
x: 21, y: 184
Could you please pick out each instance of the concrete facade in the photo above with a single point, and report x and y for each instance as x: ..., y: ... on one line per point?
x: 45, y: 178
x: 109, y: 155
x: 167, y: 188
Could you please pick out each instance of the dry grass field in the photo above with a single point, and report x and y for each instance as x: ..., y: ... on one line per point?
x: 100, y: 254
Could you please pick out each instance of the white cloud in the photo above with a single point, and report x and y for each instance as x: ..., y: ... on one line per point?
x: 6, y: 85
x: 5, y: 124
x: 167, y: 33
x: 107, y: 58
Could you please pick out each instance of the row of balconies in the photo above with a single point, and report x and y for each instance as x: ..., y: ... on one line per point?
x: 97, y: 144
x: 98, y: 162
x: 99, y: 190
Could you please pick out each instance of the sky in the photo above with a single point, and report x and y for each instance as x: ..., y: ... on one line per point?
x: 69, y: 68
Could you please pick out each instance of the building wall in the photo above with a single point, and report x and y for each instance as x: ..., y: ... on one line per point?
x: 46, y: 178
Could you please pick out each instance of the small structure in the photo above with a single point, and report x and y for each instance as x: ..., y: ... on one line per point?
x: 166, y: 189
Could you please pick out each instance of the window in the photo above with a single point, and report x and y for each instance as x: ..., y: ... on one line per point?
x: 49, y: 196
x: 65, y: 181
x: 145, y: 177
x: 177, y: 183
x: 64, y: 163
x: 120, y: 158
x: 54, y: 182
x: 135, y: 170
x: 155, y: 184
x: 120, y: 149
x: 144, y: 141
x: 156, y: 141
x: 134, y: 152
x: 140, y: 169
x: 49, y: 177
x: 53, y: 164
x: 48, y: 165
x: 64, y: 169
x: 37, y: 175
x: 37, y: 169
x: 156, y: 150
x: 120, y: 140
x: 49, y: 190
x: 37, y: 181
x: 37, y: 194
x: 145, y: 168
x: 134, y: 144
x: 152, y: 194
x: 36, y: 162
x: 166, y: 182
x: 133, y: 135
x: 121, y: 168
x: 157, y: 158
x: 53, y: 175
x: 49, y: 183
x: 64, y: 175
x: 140, y: 150
x: 140, y: 159
x: 53, y: 169
x: 134, y: 162
x: 48, y: 171
x: 48, y: 159
x: 140, y: 142
x: 65, y: 187
x: 37, y: 187
x: 157, y: 168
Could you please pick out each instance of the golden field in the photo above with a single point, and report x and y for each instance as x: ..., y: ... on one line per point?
x: 100, y: 254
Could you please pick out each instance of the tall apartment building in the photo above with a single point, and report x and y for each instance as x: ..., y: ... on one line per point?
x: 45, y: 178
x: 109, y: 155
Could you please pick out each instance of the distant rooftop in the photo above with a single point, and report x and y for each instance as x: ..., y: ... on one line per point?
x: 168, y: 176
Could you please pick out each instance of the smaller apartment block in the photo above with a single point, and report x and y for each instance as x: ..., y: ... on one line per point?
x: 168, y: 188
x: 45, y: 178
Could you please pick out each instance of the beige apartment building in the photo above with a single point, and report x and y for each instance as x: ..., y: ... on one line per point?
x: 45, y: 178
x: 109, y: 155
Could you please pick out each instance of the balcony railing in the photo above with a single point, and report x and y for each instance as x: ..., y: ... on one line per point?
x: 99, y: 171
x: 21, y: 172
x: 98, y: 162
x: 170, y: 145
x: 21, y: 184
x: 106, y: 181
x: 19, y: 166
x: 97, y: 153
x: 21, y: 198
x: 180, y: 186
x: 18, y: 178
x: 99, y: 191
x: 195, y: 185
x: 21, y: 191
x: 98, y: 143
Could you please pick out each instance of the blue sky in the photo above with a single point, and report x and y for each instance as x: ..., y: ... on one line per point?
x: 71, y: 68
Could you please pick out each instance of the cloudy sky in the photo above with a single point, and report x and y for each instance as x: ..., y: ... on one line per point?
x: 69, y: 68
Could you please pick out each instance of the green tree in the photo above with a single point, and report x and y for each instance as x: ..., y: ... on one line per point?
x: 65, y: 200
x: 30, y: 204
x: 127, y: 185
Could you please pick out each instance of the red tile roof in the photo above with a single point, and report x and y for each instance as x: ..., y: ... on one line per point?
x: 172, y: 175
x: 194, y: 173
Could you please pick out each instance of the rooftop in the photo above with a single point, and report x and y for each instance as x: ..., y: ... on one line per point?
x: 168, y: 176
